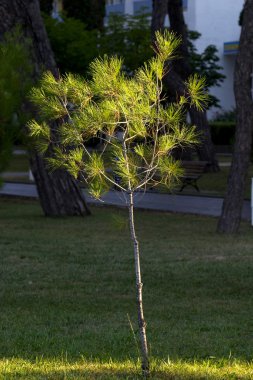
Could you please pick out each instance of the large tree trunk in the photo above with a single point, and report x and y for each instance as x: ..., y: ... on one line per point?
x: 59, y: 194
x: 180, y: 71
x: 159, y: 12
x: 182, y: 67
x: 229, y: 221
x: 205, y: 149
x: 177, y: 25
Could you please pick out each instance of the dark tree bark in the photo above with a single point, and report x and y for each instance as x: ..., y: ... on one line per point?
x: 182, y: 67
x: 178, y: 26
x: 58, y: 192
x: 180, y: 71
x: 229, y: 221
x: 159, y: 12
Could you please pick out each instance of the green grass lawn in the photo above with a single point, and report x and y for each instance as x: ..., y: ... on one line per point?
x: 67, y: 295
x: 215, y: 183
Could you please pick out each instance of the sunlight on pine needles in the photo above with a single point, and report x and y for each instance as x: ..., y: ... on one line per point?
x: 41, y: 368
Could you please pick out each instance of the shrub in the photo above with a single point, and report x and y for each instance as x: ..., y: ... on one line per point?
x: 223, y: 132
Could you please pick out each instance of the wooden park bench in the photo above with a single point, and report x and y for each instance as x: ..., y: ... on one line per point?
x: 193, y: 170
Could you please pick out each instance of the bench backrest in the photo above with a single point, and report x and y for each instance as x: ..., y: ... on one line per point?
x: 194, y: 168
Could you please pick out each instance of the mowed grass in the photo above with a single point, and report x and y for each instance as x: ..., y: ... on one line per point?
x: 67, y: 296
x: 215, y: 184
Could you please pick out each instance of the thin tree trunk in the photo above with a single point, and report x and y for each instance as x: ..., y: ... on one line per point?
x: 58, y: 192
x: 229, y: 221
x: 139, y: 285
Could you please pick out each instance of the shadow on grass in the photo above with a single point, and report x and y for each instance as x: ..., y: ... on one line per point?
x: 17, y: 368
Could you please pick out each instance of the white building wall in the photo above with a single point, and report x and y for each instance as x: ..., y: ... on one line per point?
x: 129, y: 8
x: 217, y: 21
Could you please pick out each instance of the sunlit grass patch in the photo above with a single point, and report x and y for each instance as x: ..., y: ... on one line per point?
x: 57, y: 369
x: 207, y: 369
x: 62, y: 369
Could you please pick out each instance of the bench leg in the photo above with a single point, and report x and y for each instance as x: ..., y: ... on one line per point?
x: 182, y: 187
x: 195, y: 186
x: 192, y: 183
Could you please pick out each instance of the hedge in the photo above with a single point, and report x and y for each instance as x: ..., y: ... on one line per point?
x: 223, y: 132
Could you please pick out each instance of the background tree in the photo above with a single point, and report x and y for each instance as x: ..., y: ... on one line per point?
x: 126, y: 36
x: 180, y: 71
x: 58, y: 193
x: 91, y: 12
x: 107, y: 104
x: 14, y: 65
x: 73, y: 45
x: 229, y: 221
x: 46, y: 6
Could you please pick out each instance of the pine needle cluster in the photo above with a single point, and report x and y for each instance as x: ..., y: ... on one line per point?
x: 138, y: 128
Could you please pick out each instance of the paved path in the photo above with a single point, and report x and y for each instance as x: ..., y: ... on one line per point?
x: 151, y: 201
x: 15, y: 175
x: 19, y: 152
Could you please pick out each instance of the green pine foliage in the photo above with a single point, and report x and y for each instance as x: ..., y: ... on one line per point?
x: 15, y: 71
x: 138, y: 128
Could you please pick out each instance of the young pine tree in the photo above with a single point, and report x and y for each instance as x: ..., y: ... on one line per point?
x: 109, y: 103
